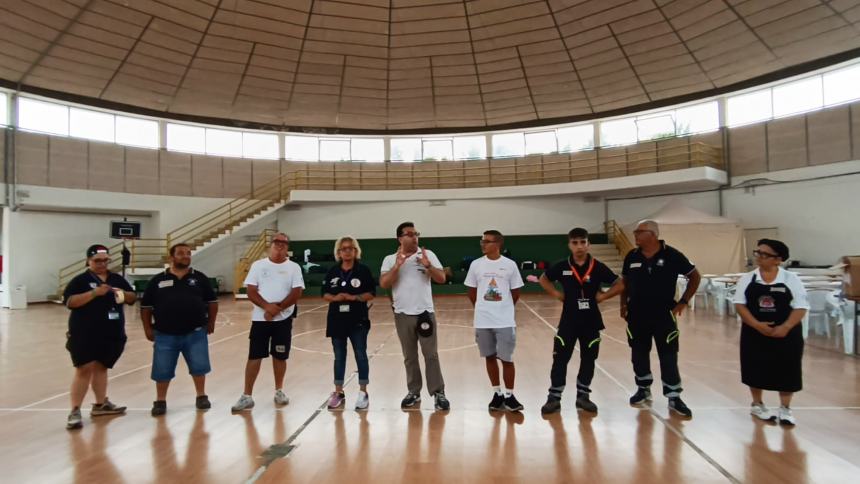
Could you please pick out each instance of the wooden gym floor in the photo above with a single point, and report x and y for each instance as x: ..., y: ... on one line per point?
x: 303, y: 442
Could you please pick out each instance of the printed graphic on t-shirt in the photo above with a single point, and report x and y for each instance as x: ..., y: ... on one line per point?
x: 493, y: 293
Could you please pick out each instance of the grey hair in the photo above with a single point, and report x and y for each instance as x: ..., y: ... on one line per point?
x: 652, y: 226
x: 346, y: 238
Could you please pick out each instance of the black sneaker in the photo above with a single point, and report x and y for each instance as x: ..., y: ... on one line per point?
x: 159, y: 407
x: 411, y: 400
x: 678, y: 406
x: 442, y: 402
x: 203, y: 403
x: 552, y: 405
x: 497, y: 403
x: 585, y: 403
x: 641, y: 397
x: 512, y: 404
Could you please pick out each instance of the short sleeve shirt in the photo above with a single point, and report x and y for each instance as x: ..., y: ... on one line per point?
x: 179, y: 305
x: 651, y: 283
x: 562, y: 272
x: 412, y: 293
x: 494, y: 280
x: 274, y: 282
x: 800, y: 299
x: 345, y: 315
x: 102, y: 316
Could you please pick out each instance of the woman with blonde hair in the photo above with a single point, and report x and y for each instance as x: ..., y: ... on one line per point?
x: 348, y: 287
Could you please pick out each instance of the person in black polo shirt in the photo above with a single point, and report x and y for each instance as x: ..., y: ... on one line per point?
x: 648, y: 304
x: 96, y: 336
x: 581, y: 277
x: 185, y: 307
x: 348, y: 287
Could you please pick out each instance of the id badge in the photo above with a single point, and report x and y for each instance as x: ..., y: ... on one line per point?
x: 583, y: 303
x: 113, y: 315
x: 344, y: 308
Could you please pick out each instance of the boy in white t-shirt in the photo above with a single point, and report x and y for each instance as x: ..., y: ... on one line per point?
x: 494, y: 284
x: 274, y: 285
x: 407, y: 274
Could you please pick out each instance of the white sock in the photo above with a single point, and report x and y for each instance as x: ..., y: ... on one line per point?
x: 509, y: 392
x: 497, y: 389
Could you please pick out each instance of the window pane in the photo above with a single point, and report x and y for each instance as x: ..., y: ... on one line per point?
x: 405, y: 149
x: 181, y: 137
x: 91, y: 125
x: 260, y: 145
x: 368, y: 149
x: 618, y: 132
x: 697, y: 119
x: 301, y: 148
x: 797, y: 97
x: 656, y: 126
x: 334, y: 150
x: 576, y: 138
x: 224, y: 142
x: 508, y: 144
x: 438, y: 149
x: 749, y: 108
x: 4, y: 109
x: 137, y: 132
x: 842, y: 85
x: 41, y: 116
x: 470, y: 148
x: 539, y: 143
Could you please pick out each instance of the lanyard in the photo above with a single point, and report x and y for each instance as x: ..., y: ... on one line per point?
x: 585, y: 278
x: 344, y: 276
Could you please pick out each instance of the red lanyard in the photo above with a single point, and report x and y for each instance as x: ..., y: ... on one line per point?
x: 586, y: 277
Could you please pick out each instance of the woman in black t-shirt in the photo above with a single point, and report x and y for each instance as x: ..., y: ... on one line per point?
x: 348, y: 287
x: 96, y: 336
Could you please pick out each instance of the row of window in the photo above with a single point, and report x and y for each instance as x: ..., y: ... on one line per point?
x: 810, y: 93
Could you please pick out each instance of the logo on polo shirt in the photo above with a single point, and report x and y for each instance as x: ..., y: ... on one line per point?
x: 355, y: 282
x: 192, y: 282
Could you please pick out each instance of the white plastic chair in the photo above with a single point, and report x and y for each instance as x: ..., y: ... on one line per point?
x: 816, y: 318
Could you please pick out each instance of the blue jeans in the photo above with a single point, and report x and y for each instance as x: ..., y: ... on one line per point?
x: 194, y: 346
x: 358, y: 338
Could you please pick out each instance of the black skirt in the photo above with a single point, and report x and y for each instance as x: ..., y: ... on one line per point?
x: 772, y: 363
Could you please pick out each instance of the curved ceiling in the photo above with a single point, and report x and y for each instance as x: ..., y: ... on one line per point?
x: 408, y: 64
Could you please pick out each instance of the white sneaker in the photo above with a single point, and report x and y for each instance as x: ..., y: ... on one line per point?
x: 786, y: 417
x: 760, y: 411
x: 245, y: 403
x: 74, y: 420
x: 281, y: 397
x: 363, y: 401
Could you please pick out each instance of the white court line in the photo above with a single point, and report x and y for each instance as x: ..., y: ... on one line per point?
x: 398, y: 410
x: 665, y: 422
x: 143, y: 367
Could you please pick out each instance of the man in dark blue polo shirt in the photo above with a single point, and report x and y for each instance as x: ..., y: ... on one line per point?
x: 648, y: 304
x: 581, y: 277
x: 185, y: 307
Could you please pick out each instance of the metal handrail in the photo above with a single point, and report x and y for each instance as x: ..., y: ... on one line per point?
x: 252, y: 253
x: 617, y: 236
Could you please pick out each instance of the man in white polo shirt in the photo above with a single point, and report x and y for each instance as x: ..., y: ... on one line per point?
x: 408, y: 273
x: 274, y: 285
x: 494, y: 284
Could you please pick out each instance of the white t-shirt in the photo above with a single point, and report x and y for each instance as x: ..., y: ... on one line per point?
x: 411, y: 294
x: 274, y: 283
x: 494, y: 280
x: 790, y: 279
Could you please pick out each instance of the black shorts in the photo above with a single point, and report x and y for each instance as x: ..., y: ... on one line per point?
x: 662, y: 328
x: 85, y: 348
x: 270, y: 338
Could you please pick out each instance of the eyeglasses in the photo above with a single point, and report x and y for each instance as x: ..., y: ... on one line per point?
x: 764, y: 255
x: 641, y: 231
x: 410, y: 234
x: 346, y: 249
x: 485, y: 241
x: 101, y: 261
